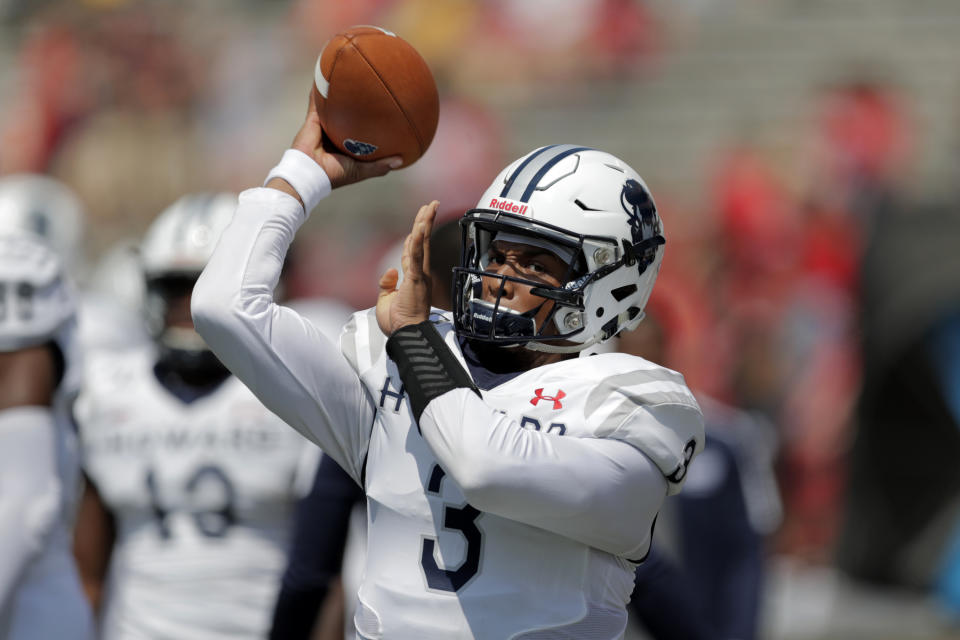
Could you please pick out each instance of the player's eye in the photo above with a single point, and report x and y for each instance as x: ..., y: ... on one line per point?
x: 494, y: 259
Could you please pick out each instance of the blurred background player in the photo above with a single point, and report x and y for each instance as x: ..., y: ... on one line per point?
x: 40, y: 594
x: 184, y: 527
x: 317, y: 597
x: 107, y: 305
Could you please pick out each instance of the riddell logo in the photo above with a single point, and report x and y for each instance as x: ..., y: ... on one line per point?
x: 508, y: 205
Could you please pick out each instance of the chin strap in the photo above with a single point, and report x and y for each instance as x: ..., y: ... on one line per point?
x: 546, y: 347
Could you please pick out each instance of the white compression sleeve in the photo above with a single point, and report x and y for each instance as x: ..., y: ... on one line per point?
x: 602, y: 492
x: 293, y: 369
x: 30, y: 490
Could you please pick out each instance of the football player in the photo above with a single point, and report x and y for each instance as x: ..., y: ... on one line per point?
x: 40, y: 594
x: 46, y: 207
x: 183, y: 531
x: 512, y: 479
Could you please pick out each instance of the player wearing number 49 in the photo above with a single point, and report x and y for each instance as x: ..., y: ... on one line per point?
x: 512, y: 480
x: 192, y: 479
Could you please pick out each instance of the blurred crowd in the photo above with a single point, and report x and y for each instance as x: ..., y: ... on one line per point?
x: 811, y: 289
x: 133, y: 103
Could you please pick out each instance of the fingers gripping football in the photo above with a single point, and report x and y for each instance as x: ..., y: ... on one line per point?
x: 342, y: 170
x: 408, y: 302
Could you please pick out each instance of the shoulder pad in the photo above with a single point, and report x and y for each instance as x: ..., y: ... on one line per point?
x: 651, y: 408
x: 634, y: 381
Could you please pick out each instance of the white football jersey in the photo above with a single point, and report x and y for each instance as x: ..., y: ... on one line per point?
x: 436, y: 563
x: 201, y: 493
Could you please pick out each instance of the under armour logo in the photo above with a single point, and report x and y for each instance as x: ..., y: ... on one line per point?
x: 554, y: 399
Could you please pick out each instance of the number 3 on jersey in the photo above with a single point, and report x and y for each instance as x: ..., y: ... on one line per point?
x: 462, y: 519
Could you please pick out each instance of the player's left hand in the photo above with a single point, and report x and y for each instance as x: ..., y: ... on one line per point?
x: 409, y: 303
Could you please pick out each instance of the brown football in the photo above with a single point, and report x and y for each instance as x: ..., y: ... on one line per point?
x: 375, y: 95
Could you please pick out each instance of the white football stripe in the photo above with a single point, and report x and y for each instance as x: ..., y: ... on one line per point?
x: 373, y: 26
x: 322, y: 85
x: 636, y: 383
x: 367, y: 352
x: 348, y: 342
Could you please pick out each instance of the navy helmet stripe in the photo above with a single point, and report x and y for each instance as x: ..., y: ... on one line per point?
x: 549, y: 164
x: 516, y: 173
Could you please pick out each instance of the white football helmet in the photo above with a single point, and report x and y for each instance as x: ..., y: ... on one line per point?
x: 174, y: 251
x: 46, y: 207
x: 182, y: 238
x: 37, y: 301
x: 588, y: 206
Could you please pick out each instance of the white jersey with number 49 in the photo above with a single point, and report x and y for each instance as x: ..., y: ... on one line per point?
x: 201, y: 493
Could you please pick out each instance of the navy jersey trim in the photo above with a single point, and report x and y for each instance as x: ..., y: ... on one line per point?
x: 649, y: 546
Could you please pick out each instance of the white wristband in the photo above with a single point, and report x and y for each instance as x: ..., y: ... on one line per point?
x: 305, y: 176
